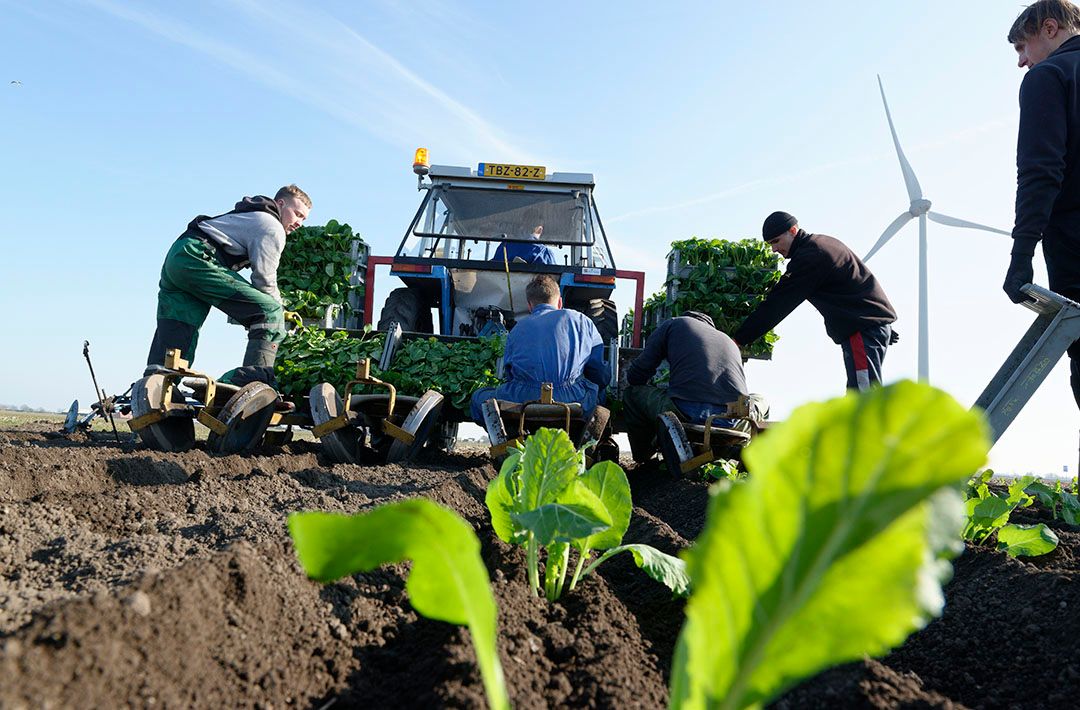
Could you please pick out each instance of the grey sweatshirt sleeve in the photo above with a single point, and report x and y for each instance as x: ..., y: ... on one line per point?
x: 264, y: 255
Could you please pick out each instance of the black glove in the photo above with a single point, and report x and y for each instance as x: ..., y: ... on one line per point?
x: 1019, y: 274
x: 894, y: 338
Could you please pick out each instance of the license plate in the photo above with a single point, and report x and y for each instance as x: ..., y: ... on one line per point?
x: 513, y: 172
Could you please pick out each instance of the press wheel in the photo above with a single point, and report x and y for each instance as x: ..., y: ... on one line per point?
x: 174, y: 434
x: 419, y: 422
x: 674, y: 446
x: 343, y: 445
x: 246, y: 416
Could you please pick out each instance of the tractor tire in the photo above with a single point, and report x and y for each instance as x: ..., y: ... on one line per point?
x: 407, y: 307
x: 601, y: 311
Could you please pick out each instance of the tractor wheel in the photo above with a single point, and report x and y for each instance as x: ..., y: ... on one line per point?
x: 407, y: 307
x: 601, y: 311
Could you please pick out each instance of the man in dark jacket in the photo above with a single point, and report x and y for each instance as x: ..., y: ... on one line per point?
x: 1048, y: 154
x: 822, y: 270
x: 706, y: 375
x: 200, y: 272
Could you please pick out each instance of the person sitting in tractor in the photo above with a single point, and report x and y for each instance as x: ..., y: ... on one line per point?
x: 200, y: 272
x: 528, y: 252
x: 552, y: 345
x: 706, y: 375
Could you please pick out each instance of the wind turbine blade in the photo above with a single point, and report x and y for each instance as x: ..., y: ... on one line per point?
x: 914, y: 190
x: 889, y: 232
x: 954, y: 222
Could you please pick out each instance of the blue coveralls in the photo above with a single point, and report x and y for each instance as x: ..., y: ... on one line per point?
x: 529, y: 252
x: 552, y: 345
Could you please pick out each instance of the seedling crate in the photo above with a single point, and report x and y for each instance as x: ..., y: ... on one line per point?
x: 678, y: 271
x: 336, y: 315
x: 359, y: 251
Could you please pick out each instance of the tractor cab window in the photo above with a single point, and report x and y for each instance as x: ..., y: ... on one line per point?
x: 487, y: 224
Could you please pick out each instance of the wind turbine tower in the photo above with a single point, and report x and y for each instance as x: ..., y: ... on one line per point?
x: 919, y: 208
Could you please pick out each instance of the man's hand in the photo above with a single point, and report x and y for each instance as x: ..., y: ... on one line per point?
x: 293, y: 317
x: 1020, y: 274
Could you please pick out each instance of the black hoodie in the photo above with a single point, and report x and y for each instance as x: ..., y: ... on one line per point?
x: 1048, y: 160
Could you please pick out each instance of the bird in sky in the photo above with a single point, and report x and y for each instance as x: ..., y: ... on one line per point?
x: 16, y: 82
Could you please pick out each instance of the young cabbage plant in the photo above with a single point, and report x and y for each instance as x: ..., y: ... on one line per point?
x: 544, y: 499
x: 988, y: 513
x: 1062, y: 504
x: 448, y: 580
x: 835, y: 547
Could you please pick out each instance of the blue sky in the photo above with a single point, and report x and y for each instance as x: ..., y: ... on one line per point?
x: 695, y: 118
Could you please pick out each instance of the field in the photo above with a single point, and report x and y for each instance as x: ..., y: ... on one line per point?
x: 130, y: 577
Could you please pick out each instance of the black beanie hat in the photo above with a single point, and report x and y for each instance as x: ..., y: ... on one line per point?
x: 776, y: 224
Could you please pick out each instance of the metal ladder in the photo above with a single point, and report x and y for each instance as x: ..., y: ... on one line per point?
x: 1055, y: 328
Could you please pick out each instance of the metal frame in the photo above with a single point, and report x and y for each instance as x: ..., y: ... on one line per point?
x: 1056, y: 327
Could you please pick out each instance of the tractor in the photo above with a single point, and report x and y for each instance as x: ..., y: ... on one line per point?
x: 461, y: 265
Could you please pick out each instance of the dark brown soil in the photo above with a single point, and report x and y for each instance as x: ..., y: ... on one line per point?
x: 129, y: 577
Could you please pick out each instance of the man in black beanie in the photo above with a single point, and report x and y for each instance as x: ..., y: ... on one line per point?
x: 825, y: 272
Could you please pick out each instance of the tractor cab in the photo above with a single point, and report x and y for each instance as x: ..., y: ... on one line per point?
x: 479, y: 237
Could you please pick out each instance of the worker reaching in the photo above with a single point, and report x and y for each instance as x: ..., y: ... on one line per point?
x: 822, y: 270
x: 553, y: 345
x: 200, y: 272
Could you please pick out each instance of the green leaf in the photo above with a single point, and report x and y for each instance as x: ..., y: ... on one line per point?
x: 1070, y: 509
x: 847, y: 501
x: 1027, y: 540
x: 562, y: 522
x: 608, y: 482
x: 666, y: 569
x: 448, y: 580
x: 549, y: 464
x: 500, y: 498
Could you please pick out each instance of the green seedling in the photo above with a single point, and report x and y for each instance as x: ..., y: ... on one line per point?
x: 987, y: 513
x: 727, y: 280
x: 447, y: 582
x: 454, y: 369
x: 1062, y: 504
x: 309, y: 356
x: 834, y: 548
x: 315, y: 267
x: 544, y: 499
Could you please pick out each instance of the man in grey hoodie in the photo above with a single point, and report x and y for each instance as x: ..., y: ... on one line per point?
x: 200, y: 272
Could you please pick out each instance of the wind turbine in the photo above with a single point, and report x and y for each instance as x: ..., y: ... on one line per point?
x: 920, y: 208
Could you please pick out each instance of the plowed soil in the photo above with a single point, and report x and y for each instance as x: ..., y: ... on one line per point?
x: 135, y: 578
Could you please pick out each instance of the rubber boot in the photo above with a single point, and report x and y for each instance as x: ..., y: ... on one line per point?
x: 260, y: 353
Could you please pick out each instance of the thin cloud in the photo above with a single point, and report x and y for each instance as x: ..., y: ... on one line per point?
x: 338, y: 71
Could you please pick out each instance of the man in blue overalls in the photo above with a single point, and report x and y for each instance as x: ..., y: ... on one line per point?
x: 553, y: 345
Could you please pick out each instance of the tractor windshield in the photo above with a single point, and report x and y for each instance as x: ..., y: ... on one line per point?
x: 470, y: 223
x: 504, y: 214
